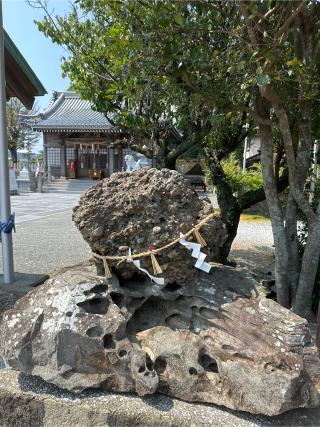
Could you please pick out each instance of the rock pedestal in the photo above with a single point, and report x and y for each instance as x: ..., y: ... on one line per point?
x: 199, y: 342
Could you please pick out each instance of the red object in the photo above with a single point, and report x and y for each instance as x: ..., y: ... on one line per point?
x: 71, y: 165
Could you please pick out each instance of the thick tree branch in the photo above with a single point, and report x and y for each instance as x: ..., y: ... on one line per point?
x: 129, y: 143
x: 255, y: 196
x: 231, y: 143
x: 253, y: 114
x: 180, y: 149
x: 269, y: 94
x: 248, y: 23
x: 287, y: 24
x: 112, y: 122
x: 269, y: 13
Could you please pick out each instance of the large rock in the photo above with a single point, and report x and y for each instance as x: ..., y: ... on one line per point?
x: 147, y: 207
x: 69, y: 332
x: 202, y: 342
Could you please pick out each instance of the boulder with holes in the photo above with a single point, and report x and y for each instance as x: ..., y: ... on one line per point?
x: 204, y: 341
x: 70, y: 333
x: 147, y: 207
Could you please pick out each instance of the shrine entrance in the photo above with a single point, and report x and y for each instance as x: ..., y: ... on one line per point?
x: 92, y: 157
x: 92, y: 160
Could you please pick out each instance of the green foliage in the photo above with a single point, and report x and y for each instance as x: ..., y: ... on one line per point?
x: 250, y: 179
x: 155, y: 64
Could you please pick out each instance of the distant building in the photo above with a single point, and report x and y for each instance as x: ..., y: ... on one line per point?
x: 253, y: 150
x: 77, y: 139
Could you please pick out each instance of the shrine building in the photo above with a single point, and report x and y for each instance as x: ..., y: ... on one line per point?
x: 77, y: 139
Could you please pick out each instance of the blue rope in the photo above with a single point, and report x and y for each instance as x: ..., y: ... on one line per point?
x: 8, y: 226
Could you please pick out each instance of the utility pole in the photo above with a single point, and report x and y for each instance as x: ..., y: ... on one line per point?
x: 5, y: 208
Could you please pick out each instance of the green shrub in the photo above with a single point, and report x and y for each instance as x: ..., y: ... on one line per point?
x: 250, y: 179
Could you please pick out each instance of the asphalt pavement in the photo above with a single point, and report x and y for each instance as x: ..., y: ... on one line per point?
x: 46, y: 238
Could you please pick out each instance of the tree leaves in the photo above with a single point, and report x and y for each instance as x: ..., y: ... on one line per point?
x: 263, y: 80
x: 178, y: 18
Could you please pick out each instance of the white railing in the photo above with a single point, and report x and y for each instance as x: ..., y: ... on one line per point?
x: 31, y: 166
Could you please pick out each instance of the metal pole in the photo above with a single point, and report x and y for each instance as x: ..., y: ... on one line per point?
x: 314, y: 174
x: 5, y: 208
x: 245, y: 149
x: 245, y: 153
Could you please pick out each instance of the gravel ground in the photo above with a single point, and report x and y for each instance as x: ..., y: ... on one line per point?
x: 253, y: 247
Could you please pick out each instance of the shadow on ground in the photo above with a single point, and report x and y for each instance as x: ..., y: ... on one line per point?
x: 166, y: 404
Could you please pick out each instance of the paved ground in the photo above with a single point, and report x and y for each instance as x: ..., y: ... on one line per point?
x: 46, y: 238
x: 34, y: 206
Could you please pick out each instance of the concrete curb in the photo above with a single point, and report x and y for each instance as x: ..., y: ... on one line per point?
x: 23, y: 282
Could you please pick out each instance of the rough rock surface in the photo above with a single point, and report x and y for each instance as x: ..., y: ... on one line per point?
x: 199, y: 342
x: 147, y: 207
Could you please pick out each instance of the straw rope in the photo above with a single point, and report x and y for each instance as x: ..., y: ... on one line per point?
x: 193, y: 231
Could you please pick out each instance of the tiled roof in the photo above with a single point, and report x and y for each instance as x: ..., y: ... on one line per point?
x: 68, y: 113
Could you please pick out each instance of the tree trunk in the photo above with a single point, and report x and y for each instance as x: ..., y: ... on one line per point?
x: 229, y: 207
x: 318, y: 328
x: 14, y: 155
x: 274, y: 206
x: 293, y: 247
x: 309, y: 267
x: 167, y: 162
x: 231, y: 218
x: 314, y: 173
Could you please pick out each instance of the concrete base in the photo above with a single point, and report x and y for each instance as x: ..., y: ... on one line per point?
x: 23, y: 184
x: 29, y: 401
x: 23, y: 282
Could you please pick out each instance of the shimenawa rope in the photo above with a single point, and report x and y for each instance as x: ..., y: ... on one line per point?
x: 152, y: 252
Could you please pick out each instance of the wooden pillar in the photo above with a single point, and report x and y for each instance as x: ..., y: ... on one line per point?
x: 63, y: 161
x: 111, y: 161
x: 76, y: 158
x: 45, y: 152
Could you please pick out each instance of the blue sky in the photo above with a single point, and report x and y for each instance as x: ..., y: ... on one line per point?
x: 42, y: 55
